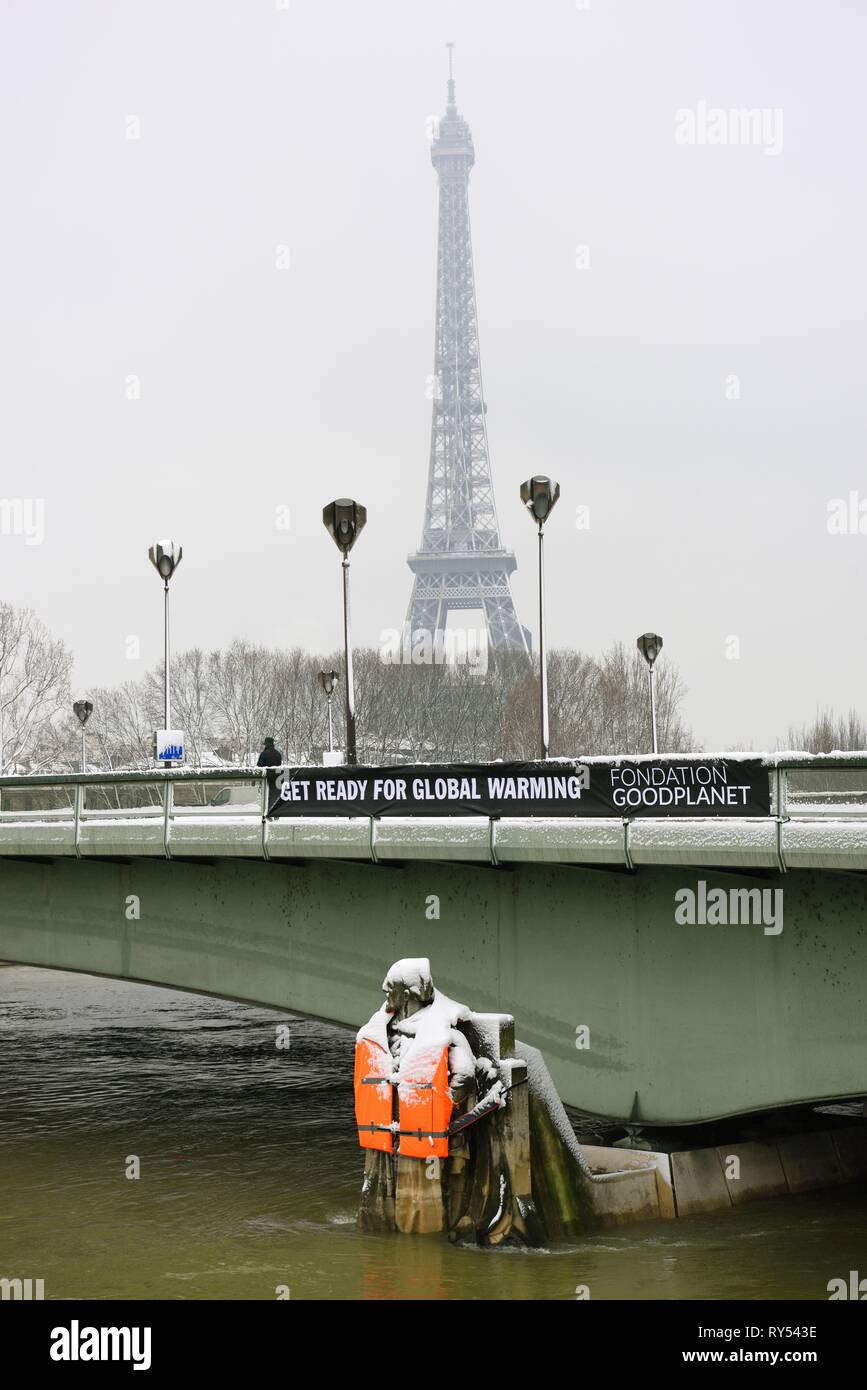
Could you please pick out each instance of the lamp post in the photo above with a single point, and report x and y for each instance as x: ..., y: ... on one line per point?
x: 165, y: 557
x: 328, y: 680
x: 650, y: 645
x: 83, y: 709
x: 539, y: 495
x: 344, y: 520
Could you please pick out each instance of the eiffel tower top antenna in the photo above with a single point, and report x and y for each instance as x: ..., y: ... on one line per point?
x: 451, y: 86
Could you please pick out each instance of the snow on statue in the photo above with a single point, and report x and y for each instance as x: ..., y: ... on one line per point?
x: 430, y: 1107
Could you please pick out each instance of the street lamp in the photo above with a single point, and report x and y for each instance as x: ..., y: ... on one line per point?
x: 539, y: 495
x: 165, y: 557
x: 83, y: 709
x: 650, y: 645
x: 328, y: 680
x: 344, y: 520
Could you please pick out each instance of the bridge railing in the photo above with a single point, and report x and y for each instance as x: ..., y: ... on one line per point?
x: 818, y: 817
x: 823, y: 791
x: 132, y: 812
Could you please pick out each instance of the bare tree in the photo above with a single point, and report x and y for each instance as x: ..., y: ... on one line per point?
x: 299, y: 716
x: 435, y: 711
x: 34, y: 682
x: 122, y: 724
x: 193, y: 705
x: 829, y: 733
x: 243, y: 696
x: 621, y: 711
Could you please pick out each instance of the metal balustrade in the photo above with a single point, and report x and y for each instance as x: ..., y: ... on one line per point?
x: 818, y: 819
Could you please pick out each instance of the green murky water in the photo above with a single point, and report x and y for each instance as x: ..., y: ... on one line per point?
x: 250, y: 1171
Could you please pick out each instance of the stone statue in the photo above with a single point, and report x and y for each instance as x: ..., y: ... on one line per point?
x: 441, y: 1118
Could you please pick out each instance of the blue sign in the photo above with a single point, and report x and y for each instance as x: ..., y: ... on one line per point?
x: 170, y: 746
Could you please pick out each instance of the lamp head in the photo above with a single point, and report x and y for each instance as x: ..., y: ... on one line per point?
x: 328, y: 680
x: 165, y: 557
x: 82, y: 709
x: 344, y: 520
x: 650, y: 645
x: 539, y: 495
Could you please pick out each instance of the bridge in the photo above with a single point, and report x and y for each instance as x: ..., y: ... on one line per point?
x: 189, y: 879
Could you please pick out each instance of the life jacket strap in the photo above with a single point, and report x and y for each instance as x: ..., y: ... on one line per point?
x: 410, y: 1133
x: 379, y: 1080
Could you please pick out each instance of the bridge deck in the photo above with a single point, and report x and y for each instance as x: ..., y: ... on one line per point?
x: 215, y: 814
x: 159, y: 877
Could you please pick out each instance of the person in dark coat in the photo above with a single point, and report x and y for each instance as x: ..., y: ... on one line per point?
x: 270, y: 756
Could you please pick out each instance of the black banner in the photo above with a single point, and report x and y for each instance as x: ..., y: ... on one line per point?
x: 641, y: 787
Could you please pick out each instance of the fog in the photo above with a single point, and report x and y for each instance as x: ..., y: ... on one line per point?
x: 218, y: 266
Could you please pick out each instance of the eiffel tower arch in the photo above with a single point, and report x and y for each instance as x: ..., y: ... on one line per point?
x: 460, y: 563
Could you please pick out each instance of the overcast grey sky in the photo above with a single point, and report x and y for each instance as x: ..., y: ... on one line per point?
x: 303, y: 126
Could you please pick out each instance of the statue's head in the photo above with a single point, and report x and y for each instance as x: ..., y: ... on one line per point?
x: 408, y: 986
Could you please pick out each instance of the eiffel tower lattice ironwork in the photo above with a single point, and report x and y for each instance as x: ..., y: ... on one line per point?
x: 461, y: 563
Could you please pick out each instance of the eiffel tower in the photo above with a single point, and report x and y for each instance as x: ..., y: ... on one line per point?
x: 460, y: 562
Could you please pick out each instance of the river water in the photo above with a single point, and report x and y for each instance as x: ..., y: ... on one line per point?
x: 250, y: 1170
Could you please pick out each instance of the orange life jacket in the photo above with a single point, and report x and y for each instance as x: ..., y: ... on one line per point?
x: 373, y: 1096
x: 424, y: 1104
